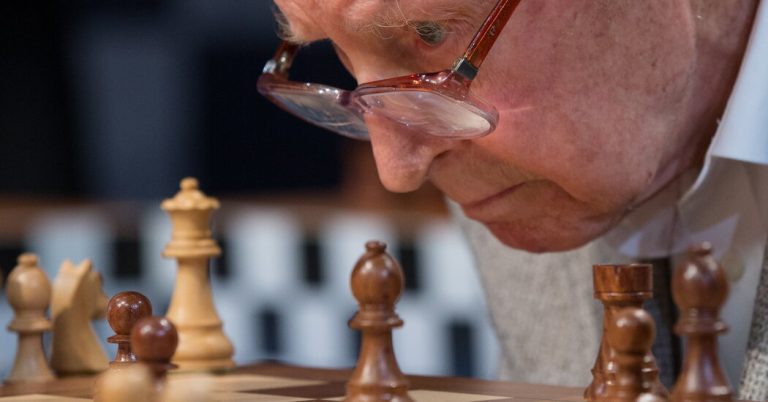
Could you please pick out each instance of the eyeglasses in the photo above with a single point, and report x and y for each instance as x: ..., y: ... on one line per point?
x: 438, y: 104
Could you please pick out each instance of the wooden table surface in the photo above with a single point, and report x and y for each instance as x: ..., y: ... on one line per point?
x: 82, y: 387
x: 328, y: 383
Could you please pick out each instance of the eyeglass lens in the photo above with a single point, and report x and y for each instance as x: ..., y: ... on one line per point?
x: 323, y: 109
x: 428, y: 113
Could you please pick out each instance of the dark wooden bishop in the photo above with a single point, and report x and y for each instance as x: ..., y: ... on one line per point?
x: 377, y: 283
x: 123, y: 311
x: 620, y: 286
x: 154, y: 341
x: 630, y: 336
x: 700, y: 287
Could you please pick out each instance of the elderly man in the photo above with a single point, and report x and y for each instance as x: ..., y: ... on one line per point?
x: 579, y: 132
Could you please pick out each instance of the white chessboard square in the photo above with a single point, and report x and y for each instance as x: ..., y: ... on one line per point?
x: 247, y: 382
x: 239, y: 396
x: 41, y: 398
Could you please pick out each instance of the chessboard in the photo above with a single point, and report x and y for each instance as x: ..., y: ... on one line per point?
x: 161, y: 358
x: 281, y: 383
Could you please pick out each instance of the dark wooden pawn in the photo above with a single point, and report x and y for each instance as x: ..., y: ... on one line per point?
x: 377, y: 283
x: 630, y: 335
x: 154, y: 341
x: 620, y: 286
x: 123, y: 311
x: 700, y: 287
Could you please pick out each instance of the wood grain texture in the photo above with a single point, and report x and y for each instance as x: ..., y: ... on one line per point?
x: 305, y: 380
x: 123, y: 311
x: 154, y: 340
x: 320, y: 383
x: 377, y: 283
x: 29, y: 293
x: 125, y: 383
x: 202, y: 342
x: 620, y: 286
x: 78, y: 299
x: 630, y: 335
x: 700, y: 287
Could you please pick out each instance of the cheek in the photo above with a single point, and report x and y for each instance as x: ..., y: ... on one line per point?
x: 590, y: 163
x: 553, y: 221
x: 595, y: 115
x: 599, y: 146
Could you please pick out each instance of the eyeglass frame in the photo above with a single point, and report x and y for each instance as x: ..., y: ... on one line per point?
x: 452, y: 83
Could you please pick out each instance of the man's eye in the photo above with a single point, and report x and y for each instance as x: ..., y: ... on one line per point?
x: 430, y: 32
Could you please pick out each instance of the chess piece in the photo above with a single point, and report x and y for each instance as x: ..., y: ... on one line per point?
x: 617, y: 287
x: 77, y: 300
x: 202, y: 342
x: 630, y: 336
x: 154, y: 340
x: 131, y: 383
x: 29, y: 293
x: 377, y: 282
x: 700, y: 287
x: 123, y: 310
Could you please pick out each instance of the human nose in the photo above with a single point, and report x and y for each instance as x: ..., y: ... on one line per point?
x: 403, y: 156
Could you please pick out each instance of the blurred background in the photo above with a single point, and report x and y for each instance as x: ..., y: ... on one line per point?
x: 104, y: 107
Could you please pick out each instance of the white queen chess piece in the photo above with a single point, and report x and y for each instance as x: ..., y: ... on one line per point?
x: 202, y: 342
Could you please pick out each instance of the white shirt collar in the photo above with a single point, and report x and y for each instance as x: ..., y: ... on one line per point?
x: 672, y: 219
x: 743, y: 131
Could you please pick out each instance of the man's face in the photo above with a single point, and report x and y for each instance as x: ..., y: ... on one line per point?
x: 590, y: 96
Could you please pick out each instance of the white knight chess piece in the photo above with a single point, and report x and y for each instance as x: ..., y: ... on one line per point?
x: 78, y: 299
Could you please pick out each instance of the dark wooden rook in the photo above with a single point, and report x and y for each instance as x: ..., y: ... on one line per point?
x: 619, y: 286
x: 377, y: 283
x: 700, y: 287
x: 123, y: 311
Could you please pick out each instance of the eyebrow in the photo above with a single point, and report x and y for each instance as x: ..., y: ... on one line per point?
x: 403, y: 14
x: 360, y: 16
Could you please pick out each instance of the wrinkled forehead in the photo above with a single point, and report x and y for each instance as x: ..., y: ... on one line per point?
x: 308, y: 20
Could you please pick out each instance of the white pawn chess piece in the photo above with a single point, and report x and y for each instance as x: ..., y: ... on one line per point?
x: 128, y: 383
x: 202, y: 342
x: 29, y: 293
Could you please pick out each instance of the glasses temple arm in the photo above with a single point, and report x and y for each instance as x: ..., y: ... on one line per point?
x: 485, y: 37
x: 282, y: 60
